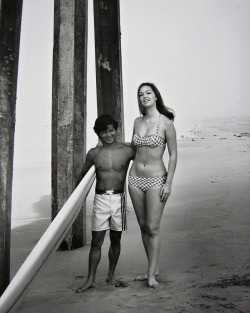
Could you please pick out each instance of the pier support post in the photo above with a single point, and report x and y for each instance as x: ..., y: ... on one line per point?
x: 69, y: 109
x: 108, y: 60
x: 10, y: 27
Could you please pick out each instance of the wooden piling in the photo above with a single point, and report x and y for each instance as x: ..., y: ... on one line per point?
x: 108, y: 60
x: 10, y: 26
x: 69, y: 109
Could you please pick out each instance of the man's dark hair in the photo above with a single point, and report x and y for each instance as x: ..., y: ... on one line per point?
x: 103, y: 121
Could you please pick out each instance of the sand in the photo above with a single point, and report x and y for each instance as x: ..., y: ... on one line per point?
x: 204, y: 260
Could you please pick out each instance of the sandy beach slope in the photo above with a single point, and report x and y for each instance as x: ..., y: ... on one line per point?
x: 205, y: 231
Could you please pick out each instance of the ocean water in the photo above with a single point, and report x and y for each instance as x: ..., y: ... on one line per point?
x: 31, y: 194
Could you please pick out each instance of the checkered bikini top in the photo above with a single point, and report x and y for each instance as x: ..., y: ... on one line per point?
x: 150, y: 141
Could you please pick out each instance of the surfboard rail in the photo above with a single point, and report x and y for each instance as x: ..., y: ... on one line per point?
x: 48, y: 243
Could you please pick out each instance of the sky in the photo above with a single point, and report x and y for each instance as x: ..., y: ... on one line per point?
x: 195, y: 51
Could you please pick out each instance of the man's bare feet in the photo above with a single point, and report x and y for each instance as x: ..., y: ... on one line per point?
x: 117, y: 283
x: 110, y: 280
x: 152, y: 283
x: 90, y: 283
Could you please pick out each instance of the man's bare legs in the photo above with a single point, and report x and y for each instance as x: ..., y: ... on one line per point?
x: 94, y: 259
x: 114, y: 253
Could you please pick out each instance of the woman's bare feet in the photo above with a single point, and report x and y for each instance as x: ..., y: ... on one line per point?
x: 144, y: 276
x: 152, y: 283
x: 90, y: 283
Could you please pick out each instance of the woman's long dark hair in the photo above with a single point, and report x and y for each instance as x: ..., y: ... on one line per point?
x: 159, y: 102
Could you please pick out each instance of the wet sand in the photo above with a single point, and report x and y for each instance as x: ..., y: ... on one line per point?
x: 205, y: 231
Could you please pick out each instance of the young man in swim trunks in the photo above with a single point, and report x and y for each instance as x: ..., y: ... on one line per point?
x: 111, y: 161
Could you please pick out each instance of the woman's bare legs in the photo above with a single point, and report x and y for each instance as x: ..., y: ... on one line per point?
x: 154, y: 209
x: 138, y: 198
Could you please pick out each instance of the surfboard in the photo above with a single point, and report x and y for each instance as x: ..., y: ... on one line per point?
x: 48, y: 243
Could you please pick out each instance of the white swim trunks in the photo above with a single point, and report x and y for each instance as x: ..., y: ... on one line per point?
x: 109, y: 211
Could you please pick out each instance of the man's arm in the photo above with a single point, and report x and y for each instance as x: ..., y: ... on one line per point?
x: 86, y: 166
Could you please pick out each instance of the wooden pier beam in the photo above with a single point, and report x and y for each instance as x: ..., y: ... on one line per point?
x: 108, y: 60
x: 10, y: 27
x: 69, y: 109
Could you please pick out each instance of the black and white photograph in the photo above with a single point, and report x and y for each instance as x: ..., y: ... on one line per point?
x: 125, y: 156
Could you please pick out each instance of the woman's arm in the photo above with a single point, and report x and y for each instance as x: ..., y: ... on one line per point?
x: 172, y: 150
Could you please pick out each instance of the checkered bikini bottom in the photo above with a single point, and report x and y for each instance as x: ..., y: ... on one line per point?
x: 145, y: 183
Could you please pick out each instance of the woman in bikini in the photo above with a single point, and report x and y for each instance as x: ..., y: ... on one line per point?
x: 149, y: 181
